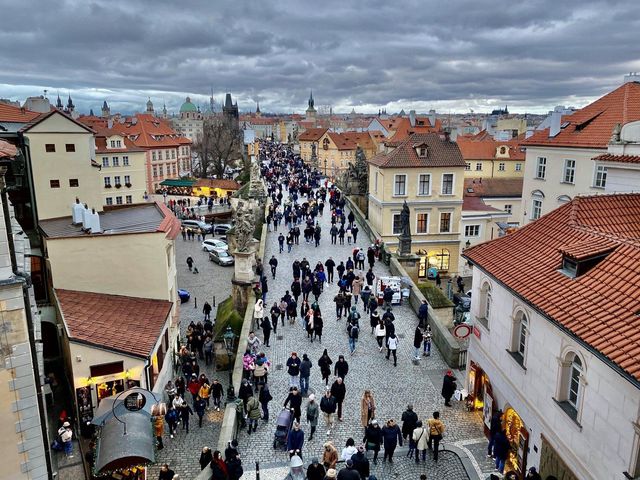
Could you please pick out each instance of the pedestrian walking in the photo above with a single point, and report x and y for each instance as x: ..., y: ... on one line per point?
x: 436, y: 430
x: 417, y: 342
x: 253, y: 413
x: 273, y: 263
x: 266, y: 326
x: 295, y: 440
x: 305, y: 373
x: 341, y: 368
x: 420, y: 438
x: 426, y: 341
x: 367, y: 408
x: 206, y: 309
x: 205, y: 457
x: 329, y: 456
x: 501, y: 449
x: 207, y: 347
x: 294, y: 402
x: 325, y: 363
x: 380, y: 332
x: 392, y: 347
x: 361, y: 463
x: 185, y: 412
x: 330, y: 264
x: 265, y: 397
x: 216, y: 394
x: 190, y: 263
x: 258, y: 312
x: 313, y: 412
x: 339, y: 392
x: 315, y: 470
x: 166, y: 473
x: 391, y: 436
x: 409, y: 421
x: 293, y: 369
x: 353, y: 330
x: 328, y: 407
x: 199, y: 405
x: 373, y: 439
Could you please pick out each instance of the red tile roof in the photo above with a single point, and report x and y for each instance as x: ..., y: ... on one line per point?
x: 9, y: 113
x: 482, y: 146
x: 493, y: 187
x: 441, y: 153
x: 591, y: 126
x: 128, y: 325
x: 403, y: 128
x: 476, y: 204
x: 311, y: 134
x: 101, y: 142
x: 608, y: 157
x: 7, y: 150
x: 601, y: 306
x: 350, y: 140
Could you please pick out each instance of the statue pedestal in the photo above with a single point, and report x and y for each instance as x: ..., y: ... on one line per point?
x: 411, y: 264
x: 404, y: 248
x: 243, y: 280
x: 243, y: 267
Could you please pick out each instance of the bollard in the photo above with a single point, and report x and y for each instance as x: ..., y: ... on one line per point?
x: 214, y: 301
x: 257, y: 470
x: 195, y: 302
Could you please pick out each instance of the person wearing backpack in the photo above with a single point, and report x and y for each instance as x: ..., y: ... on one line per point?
x: 353, y: 329
x: 420, y: 437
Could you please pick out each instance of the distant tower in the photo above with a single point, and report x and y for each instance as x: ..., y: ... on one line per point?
x: 59, y: 103
x: 164, y: 110
x: 70, y: 106
x: 258, y: 113
x: 310, y: 112
x: 149, y: 106
x: 106, y: 111
x: 230, y: 112
x: 91, y: 112
x: 212, y: 103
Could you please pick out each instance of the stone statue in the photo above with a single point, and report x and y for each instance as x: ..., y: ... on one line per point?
x: 313, y: 151
x: 358, y: 174
x: 244, y: 226
x: 256, y: 185
x: 615, y: 134
x: 404, y: 220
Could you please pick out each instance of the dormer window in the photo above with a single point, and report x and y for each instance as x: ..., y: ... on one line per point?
x: 580, y: 257
x: 422, y: 150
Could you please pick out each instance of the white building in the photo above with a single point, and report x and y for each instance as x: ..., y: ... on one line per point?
x: 190, y: 122
x: 559, y: 163
x: 556, y: 343
x: 623, y: 160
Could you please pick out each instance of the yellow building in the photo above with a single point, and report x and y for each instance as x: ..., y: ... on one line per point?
x: 63, y: 164
x: 427, y: 172
x: 122, y: 168
x: 337, y: 150
x: 514, y: 126
x: 307, y: 139
x: 216, y: 187
x: 489, y: 158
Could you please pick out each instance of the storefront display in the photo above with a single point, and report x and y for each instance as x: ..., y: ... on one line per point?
x: 519, y: 440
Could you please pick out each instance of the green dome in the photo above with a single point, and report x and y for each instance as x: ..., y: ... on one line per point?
x: 187, y: 106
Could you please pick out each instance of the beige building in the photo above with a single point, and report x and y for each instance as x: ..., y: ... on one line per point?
x: 63, y: 164
x: 426, y: 171
x: 559, y: 159
x: 337, y: 150
x: 489, y: 158
x: 190, y: 122
x: 307, y: 139
x: 122, y: 169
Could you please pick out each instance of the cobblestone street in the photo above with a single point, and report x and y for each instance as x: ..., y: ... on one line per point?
x: 183, y: 452
x: 392, y: 387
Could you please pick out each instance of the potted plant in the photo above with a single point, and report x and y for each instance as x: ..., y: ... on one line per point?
x: 128, y: 185
x: 118, y: 185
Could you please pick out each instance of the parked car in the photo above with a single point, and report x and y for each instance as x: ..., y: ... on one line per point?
x: 206, y: 227
x: 221, y: 257
x: 463, y: 302
x: 221, y: 228
x: 184, y: 295
x: 214, y: 243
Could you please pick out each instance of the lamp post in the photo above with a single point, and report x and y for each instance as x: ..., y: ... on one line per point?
x: 325, y: 166
x: 229, y: 341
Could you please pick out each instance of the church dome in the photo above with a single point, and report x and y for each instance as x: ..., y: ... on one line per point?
x: 187, y: 106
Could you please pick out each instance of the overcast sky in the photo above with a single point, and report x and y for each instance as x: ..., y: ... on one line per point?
x: 452, y: 56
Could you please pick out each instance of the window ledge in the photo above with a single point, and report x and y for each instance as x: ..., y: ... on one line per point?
x: 598, y: 188
x: 571, y: 412
x: 539, y: 178
x: 399, y: 196
x: 484, y: 322
x: 519, y: 359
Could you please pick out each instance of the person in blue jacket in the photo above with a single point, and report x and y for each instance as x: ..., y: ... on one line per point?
x: 295, y: 441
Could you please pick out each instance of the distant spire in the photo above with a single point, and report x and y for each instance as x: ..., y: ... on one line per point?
x: 227, y: 101
x: 70, y: 104
x: 257, y: 107
x: 104, y: 105
x: 311, y: 102
x: 59, y: 103
x: 91, y: 112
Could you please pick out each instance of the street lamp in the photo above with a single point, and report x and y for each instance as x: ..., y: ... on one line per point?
x: 468, y: 244
x: 229, y: 342
x: 325, y: 166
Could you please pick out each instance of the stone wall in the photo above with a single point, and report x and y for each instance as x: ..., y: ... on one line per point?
x: 552, y: 464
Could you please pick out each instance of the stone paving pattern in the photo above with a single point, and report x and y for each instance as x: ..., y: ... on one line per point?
x: 182, y: 452
x: 392, y: 387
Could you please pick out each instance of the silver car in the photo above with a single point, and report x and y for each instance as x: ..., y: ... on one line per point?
x: 214, y: 244
x: 221, y: 257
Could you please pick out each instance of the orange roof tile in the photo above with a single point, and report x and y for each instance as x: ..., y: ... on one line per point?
x: 128, y: 325
x: 441, y: 153
x: 493, y: 187
x: 311, y: 134
x: 601, y: 306
x: 9, y: 113
x: 591, y: 126
x: 350, y: 140
x: 608, y: 157
x: 403, y: 128
x: 223, y: 183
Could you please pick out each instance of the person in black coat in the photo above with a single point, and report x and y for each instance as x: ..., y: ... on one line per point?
x: 391, y: 436
x: 339, y: 391
x: 325, y: 366
x: 234, y: 468
x: 409, y: 420
x: 166, y: 473
x: 373, y: 438
x: 501, y: 449
x: 294, y: 401
x: 205, y: 457
x: 448, y: 387
x: 316, y: 470
x: 361, y: 462
x: 341, y: 367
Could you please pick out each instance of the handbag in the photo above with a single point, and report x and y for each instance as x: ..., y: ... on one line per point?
x: 371, y: 446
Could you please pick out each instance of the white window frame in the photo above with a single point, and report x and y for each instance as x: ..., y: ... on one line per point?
x: 600, y: 176
x: 116, y: 180
x: 508, y: 208
x: 119, y: 200
x: 468, y: 230
x: 520, y: 337
x: 569, y: 171
x: 573, y: 369
x: 418, y: 232
x: 467, y: 166
x: 396, y: 177
x: 541, y: 168
x: 109, y: 201
x: 105, y: 162
x: 127, y: 179
x: 518, y: 167
x: 125, y: 160
x: 478, y: 166
x: 115, y: 161
x: 428, y: 175
x: 453, y: 184
x: 536, y: 208
x: 107, y: 181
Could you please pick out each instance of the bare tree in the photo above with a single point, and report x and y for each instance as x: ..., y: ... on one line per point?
x: 219, y: 145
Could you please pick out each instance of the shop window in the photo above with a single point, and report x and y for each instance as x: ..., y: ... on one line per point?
x: 106, y: 369
x: 519, y: 338
x: 440, y: 259
x: 571, y: 385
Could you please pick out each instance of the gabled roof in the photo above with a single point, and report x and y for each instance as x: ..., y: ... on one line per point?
x: 599, y: 307
x: 127, y: 325
x: 403, y: 129
x: 591, y: 126
x: 11, y: 114
x: 493, y: 187
x: 476, y: 204
x: 311, y: 134
x: 483, y: 146
x: 609, y: 157
x: 43, y: 116
x: 351, y: 140
x: 441, y: 153
x: 101, y: 142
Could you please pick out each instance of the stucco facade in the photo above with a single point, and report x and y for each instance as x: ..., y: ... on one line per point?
x: 602, y: 441
x: 122, y: 171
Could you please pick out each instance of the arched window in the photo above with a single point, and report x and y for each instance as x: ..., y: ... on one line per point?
x: 573, y: 394
x: 520, y: 337
x: 571, y: 385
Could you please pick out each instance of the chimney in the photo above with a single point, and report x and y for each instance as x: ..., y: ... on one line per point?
x: 77, y: 212
x: 554, y: 126
x: 110, y: 123
x: 85, y: 216
x: 94, y: 222
x: 412, y: 118
x: 432, y: 117
x: 632, y: 77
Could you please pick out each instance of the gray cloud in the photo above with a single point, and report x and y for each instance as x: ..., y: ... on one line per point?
x: 369, y: 54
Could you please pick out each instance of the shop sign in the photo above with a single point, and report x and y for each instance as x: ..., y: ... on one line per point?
x: 487, y: 409
x: 476, y: 332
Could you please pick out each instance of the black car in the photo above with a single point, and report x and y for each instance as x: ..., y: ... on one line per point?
x: 462, y: 302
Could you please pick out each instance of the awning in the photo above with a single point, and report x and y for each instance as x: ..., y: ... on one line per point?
x: 115, y: 450
x: 176, y: 182
x: 105, y: 410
